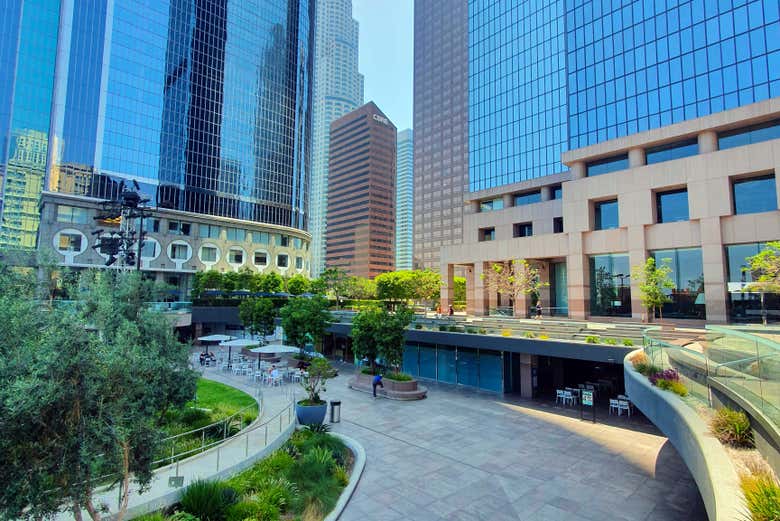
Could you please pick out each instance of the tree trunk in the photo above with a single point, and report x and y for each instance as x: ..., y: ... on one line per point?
x: 93, y: 512
x: 125, y: 481
x: 77, y: 513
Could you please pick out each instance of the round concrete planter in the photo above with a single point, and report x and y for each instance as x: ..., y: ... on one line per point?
x: 395, y: 390
x: 311, y: 414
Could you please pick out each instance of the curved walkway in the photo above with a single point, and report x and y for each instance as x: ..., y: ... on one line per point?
x: 462, y: 455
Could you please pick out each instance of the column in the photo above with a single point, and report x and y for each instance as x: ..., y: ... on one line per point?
x: 509, y: 200
x: 546, y: 193
x: 637, y: 255
x: 480, y: 301
x: 577, y: 278
x: 447, y: 293
x: 578, y: 170
x: 636, y: 157
x: 708, y: 142
x: 474, y: 205
x: 492, y: 300
x: 714, y: 267
x: 526, y: 375
x: 544, y: 292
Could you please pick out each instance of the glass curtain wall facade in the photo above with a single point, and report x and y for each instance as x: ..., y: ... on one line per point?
x: 206, y: 104
x: 610, y: 286
x: 338, y: 90
x: 404, y: 194
x: 687, y: 295
x: 479, y: 368
x: 546, y: 77
x: 745, y: 306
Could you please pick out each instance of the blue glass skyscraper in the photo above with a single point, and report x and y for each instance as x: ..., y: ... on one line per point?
x: 550, y: 76
x: 206, y: 103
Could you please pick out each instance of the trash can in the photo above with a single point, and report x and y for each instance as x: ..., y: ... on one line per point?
x: 335, y: 411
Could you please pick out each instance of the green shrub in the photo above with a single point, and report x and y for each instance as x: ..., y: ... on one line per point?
x: 418, y: 326
x: 155, y: 516
x: 399, y: 377
x: 208, y: 500
x: 367, y: 370
x: 317, y: 427
x: 471, y: 331
x: 732, y: 428
x: 610, y: 341
x: 254, y: 510
x: 303, y: 442
x: 277, y: 491
x: 762, y: 495
x: 482, y: 331
x: 442, y: 328
x: 341, y: 475
x: 252, y: 479
x: 592, y: 339
x: 529, y: 334
x: 452, y: 329
x: 194, y: 417
x: 646, y: 368
x: 628, y: 342
x: 181, y: 516
x: 674, y: 386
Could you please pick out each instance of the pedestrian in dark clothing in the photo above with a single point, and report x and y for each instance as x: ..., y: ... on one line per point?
x: 539, y: 309
x: 377, y: 381
x: 452, y: 311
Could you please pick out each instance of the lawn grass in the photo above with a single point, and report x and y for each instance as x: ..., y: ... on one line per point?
x: 214, y: 395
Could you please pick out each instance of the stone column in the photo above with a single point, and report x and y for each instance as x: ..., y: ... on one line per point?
x: 526, y: 375
x: 492, y: 300
x: 578, y: 170
x: 544, y: 292
x: 708, y: 142
x: 546, y: 193
x: 480, y: 306
x: 447, y: 293
x: 714, y: 267
x: 637, y: 254
x: 474, y: 205
x: 509, y: 200
x: 636, y: 157
x: 577, y: 278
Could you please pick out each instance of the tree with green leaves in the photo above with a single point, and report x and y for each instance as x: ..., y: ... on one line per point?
x: 305, y: 320
x: 764, y: 269
x: 258, y: 315
x: 376, y: 332
x: 654, y: 283
x: 514, y: 279
x: 83, y: 392
x: 206, y: 280
x: 271, y: 282
x: 459, y: 291
x: 297, y: 284
x: 360, y: 288
x: 337, y: 282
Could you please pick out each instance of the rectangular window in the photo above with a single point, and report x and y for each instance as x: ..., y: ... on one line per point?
x: 260, y: 237
x: 528, y: 198
x: 610, y: 285
x: 235, y: 256
x: 523, y: 230
x: 208, y: 254
x: 687, y: 296
x: 753, y: 195
x: 749, y: 135
x: 236, y: 234
x: 493, y: 204
x: 69, y: 242
x: 672, y: 151
x: 151, y: 225
x: 745, y: 306
x: 149, y: 250
x: 557, y: 192
x: 557, y: 224
x: 261, y: 258
x: 284, y: 240
x: 71, y: 214
x: 179, y: 251
x: 608, y: 165
x: 487, y: 234
x: 297, y: 243
x: 671, y: 206
x: 606, y: 215
x: 209, y: 231
x: 299, y: 263
x: 282, y: 260
x: 178, y: 228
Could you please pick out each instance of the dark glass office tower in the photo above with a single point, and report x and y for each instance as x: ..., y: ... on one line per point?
x: 440, y: 125
x: 206, y: 103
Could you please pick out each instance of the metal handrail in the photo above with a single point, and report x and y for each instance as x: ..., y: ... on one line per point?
x: 223, y: 420
x: 745, y: 336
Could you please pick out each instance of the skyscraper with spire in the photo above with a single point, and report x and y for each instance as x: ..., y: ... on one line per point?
x: 338, y: 90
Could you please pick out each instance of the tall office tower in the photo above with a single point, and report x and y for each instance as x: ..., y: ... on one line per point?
x: 338, y: 90
x: 404, y: 197
x: 632, y: 129
x: 440, y: 126
x: 361, y: 193
x: 205, y: 104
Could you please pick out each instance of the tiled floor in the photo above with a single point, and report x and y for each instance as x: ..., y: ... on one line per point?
x: 462, y: 455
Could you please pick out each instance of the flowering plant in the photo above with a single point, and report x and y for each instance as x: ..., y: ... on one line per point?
x: 667, y: 374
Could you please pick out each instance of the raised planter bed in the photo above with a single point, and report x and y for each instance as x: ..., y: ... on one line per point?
x: 410, y: 390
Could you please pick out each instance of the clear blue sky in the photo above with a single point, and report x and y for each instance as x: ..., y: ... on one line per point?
x: 387, y: 55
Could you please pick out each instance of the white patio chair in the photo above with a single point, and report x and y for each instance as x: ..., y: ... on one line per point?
x: 614, y: 404
x: 568, y: 398
x: 559, y: 396
x: 623, y: 405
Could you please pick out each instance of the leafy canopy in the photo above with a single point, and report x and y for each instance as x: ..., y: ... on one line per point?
x: 305, y: 320
x: 514, y: 279
x: 764, y: 269
x: 654, y: 283
x: 376, y: 332
x: 258, y: 315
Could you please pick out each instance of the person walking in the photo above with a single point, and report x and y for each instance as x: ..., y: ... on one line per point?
x: 539, y: 309
x: 452, y: 311
x: 377, y: 381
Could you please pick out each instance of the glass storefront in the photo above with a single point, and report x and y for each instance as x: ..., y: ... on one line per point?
x: 744, y: 306
x: 477, y: 368
x: 610, y: 285
x: 559, y: 290
x: 688, y: 277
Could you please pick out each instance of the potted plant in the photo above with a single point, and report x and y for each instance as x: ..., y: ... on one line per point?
x: 312, y: 409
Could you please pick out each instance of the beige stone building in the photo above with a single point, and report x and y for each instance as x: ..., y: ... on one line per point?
x: 700, y: 196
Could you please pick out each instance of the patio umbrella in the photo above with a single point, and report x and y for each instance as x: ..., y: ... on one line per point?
x: 275, y: 348
x: 238, y: 342
x: 214, y: 338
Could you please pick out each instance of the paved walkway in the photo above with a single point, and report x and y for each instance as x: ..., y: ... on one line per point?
x: 462, y: 455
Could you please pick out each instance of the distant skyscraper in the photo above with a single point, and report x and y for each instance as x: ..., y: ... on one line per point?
x: 361, y: 193
x: 404, y: 197
x: 441, y: 77
x: 207, y: 105
x: 338, y: 90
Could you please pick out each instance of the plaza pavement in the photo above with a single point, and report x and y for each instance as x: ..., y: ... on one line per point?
x: 467, y: 455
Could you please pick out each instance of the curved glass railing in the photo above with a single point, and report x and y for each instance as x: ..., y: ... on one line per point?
x: 741, y: 362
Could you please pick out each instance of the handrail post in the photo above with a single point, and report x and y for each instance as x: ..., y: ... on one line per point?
x: 218, y: 451
x: 246, y: 448
x: 266, y: 435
